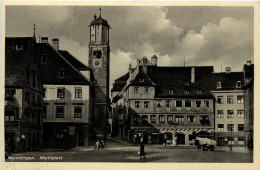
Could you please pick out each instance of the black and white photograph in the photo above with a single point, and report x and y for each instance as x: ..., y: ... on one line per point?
x: 128, y: 83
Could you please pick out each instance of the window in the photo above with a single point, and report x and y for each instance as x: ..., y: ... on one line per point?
x: 219, y: 85
x: 159, y: 103
x: 220, y: 100
x: 136, y: 119
x: 60, y: 135
x: 191, y: 118
x: 170, y: 118
x: 61, y: 92
x: 168, y: 103
x: 238, y: 84
x: 220, y: 127
x: 77, y: 112
x: 240, y: 127
x: 171, y: 91
x: 44, y: 112
x: 19, y: 47
x: 198, y: 103
x: 78, y: 92
x: 187, y: 103
x: 199, y: 91
x: 141, y: 80
x: 206, y: 103
x: 137, y: 104
x: 231, y: 140
x: 59, y: 112
x: 144, y: 118
x: 161, y: 119
x: 230, y: 100
x: 45, y: 58
x: 241, y: 140
x: 44, y: 92
x: 240, y: 113
x: 179, y: 118
x: 153, y: 118
x: 220, y: 113
x: 146, y: 104
x: 186, y: 91
x: 136, y: 90
x: 9, y: 94
x: 230, y: 113
x: 204, y: 120
x: 27, y: 96
x: 61, y: 73
x: 178, y: 103
x: 146, y: 90
x: 240, y: 99
x: 9, y: 115
x: 230, y: 127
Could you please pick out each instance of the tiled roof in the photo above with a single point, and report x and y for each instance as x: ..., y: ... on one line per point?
x: 16, y: 61
x: 142, y: 79
x: 176, y: 81
x: 249, y: 71
x: 120, y: 82
x: 55, y: 63
x: 99, y: 21
x: 73, y: 61
x: 228, y: 80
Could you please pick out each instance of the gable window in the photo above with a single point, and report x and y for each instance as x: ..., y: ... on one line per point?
x: 238, y: 84
x: 158, y: 103
x: 9, y: 94
x: 136, y: 90
x: 146, y: 104
x: 141, y: 80
x: 170, y: 118
x: 220, y: 113
x: 179, y: 118
x: 161, y: 119
x: 240, y: 99
x: 220, y: 100
x: 191, y: 118
x: 77, y: 112
x: 219, y: 85
x: 206, y: 103
x: 171, y: 91
x: 153, y: 118
x: 146, y: 90
x: 187, y: 103
x: 198, y: 103
x: 59, y: 112
x: 44, y: 111
x: 240, y: 127
x: 61, y: 92
x: 178, y: 103
x: 230, y: 100
x: 186, y: 91
x: 220, y: 127
x: 168, y: 103
x: 240, y: 113
x: 61, y: 73
x: 230, y: 113
x: 78, y: 92
x: 137, y: 104
x: 199, y: 91
x: 19, y: 47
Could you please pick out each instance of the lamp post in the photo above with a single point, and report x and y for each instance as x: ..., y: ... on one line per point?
x: 231, y: 133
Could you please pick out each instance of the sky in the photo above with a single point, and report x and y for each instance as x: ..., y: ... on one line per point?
x: 200, y: 36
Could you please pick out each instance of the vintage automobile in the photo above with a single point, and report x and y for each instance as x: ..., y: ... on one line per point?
x: 205, y: 144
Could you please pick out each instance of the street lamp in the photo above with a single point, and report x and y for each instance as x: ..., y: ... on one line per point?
x: 230, y: 146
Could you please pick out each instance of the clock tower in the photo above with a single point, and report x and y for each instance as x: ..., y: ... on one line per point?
x: 99, y: 61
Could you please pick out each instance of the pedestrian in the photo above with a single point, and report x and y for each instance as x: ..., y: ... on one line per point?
x: 142, y: 153
x: 97, y: 145
x: 102, y: 144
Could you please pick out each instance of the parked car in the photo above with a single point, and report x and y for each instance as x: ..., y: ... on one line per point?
x: 205, y: 143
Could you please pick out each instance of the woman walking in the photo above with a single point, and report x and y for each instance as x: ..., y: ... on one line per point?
x: 142, y: 153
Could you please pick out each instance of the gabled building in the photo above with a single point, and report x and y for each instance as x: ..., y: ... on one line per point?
x: 23, y: 95
x: 158, y: 102
x: 68, y: 99
x: 249, y: 103
x: 227, y: 88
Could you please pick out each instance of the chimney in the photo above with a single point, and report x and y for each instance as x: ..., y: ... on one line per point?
x: 44, y: 40
x: 55, y: 43
x: 228, y: 69
x: 192, y: 75
x: 154, y: 60
x: 248, y: 63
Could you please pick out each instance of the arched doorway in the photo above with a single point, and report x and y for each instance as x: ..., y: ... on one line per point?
x: 180, y: 139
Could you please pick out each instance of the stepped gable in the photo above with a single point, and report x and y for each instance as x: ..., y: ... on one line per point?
x: 178, y: 79
x: 55, y: 63
x: 73, y: 61
x: 16, y: 61
x: 228, y: 80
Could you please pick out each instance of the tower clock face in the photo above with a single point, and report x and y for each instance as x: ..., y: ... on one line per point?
x: 97, y: 63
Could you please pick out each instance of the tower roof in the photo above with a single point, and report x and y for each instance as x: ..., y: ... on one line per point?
x: 99, y: 21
